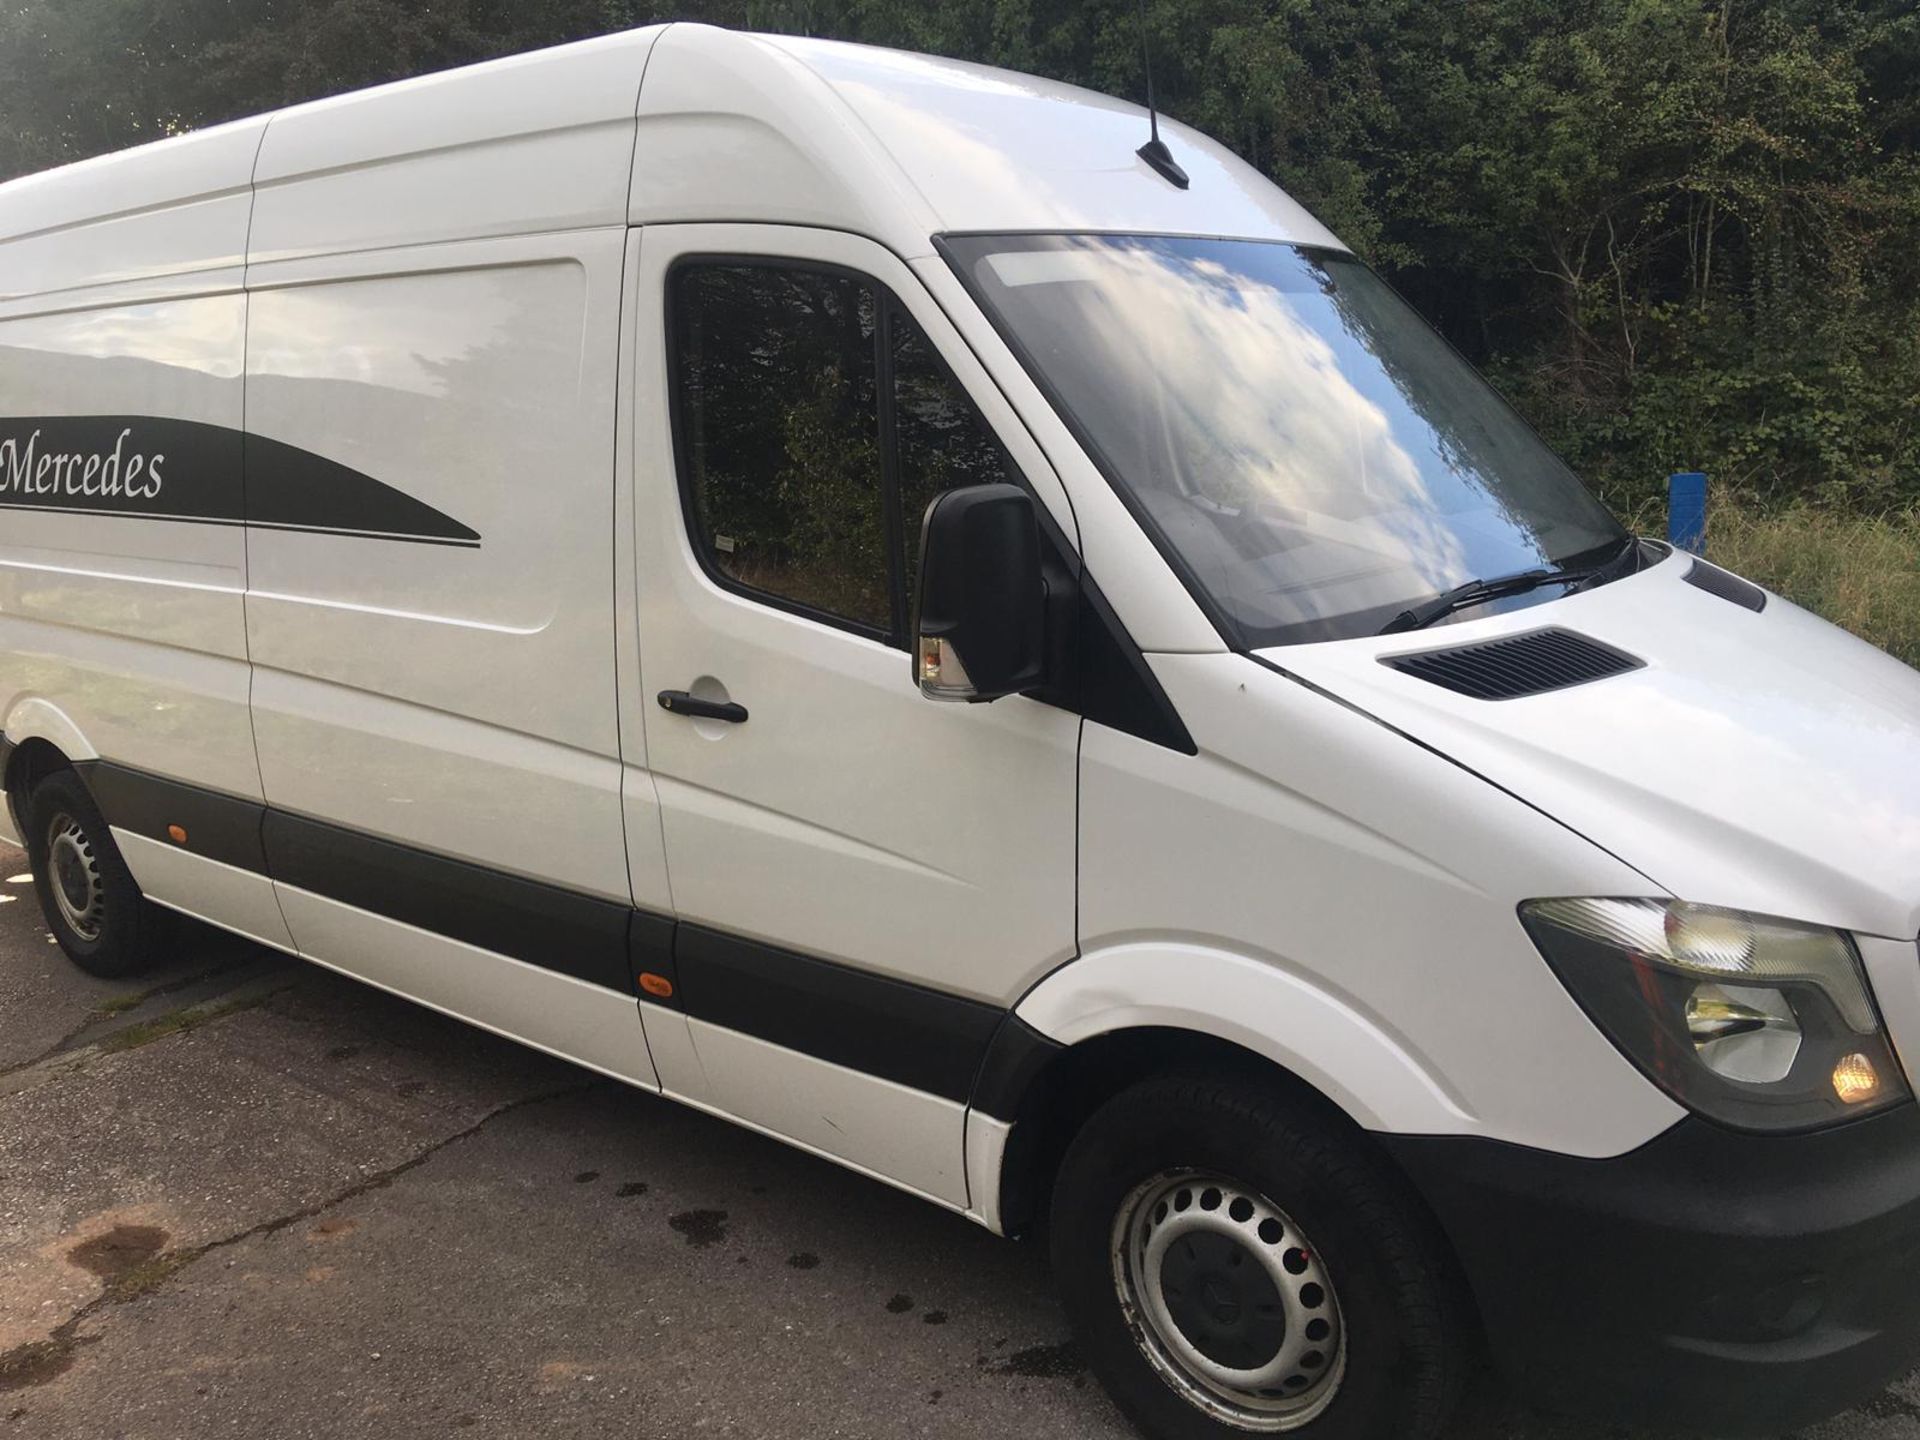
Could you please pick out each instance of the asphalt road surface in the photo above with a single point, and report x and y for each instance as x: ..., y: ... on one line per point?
x: 248, y: 1197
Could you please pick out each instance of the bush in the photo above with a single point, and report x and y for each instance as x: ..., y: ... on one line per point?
x: 1859, y: 571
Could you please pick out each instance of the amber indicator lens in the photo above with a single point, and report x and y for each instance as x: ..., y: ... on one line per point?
x: 656, y: 985
x: 1855, y: 1079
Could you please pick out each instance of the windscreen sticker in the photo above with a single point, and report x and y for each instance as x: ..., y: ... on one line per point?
x: 151, y: 468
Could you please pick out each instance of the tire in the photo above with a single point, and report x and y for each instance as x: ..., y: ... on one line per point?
x: 92, y: 904
x: 1340, y: 1318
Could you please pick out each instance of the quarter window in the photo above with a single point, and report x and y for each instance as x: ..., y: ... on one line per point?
x: 814, y: 425
x: 940, y: 440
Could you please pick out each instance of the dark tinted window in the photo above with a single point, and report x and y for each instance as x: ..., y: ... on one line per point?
x: 789, y: 379
x: 941, y: 441
x: 781, y: 434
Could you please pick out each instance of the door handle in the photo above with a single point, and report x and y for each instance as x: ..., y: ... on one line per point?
x: 681, y: 703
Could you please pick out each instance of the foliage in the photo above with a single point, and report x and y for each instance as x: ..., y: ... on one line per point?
x: 1860, y: 571
x: 1680, y: 233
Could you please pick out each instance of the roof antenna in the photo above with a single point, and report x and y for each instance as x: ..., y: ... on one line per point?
x: 1155, y: 151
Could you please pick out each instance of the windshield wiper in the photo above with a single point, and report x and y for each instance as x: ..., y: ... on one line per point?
x: 1479, y: 592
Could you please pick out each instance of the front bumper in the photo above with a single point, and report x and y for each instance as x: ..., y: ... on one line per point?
x: 1709, y: 1280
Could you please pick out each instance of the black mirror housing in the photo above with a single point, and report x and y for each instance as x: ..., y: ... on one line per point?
x: 979, y: 612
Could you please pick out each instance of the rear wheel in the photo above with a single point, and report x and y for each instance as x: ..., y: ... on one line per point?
x: 1235, y: 1262
x: 92, y: 904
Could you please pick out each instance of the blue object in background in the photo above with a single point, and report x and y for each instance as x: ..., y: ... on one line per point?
x: 1687, y: 511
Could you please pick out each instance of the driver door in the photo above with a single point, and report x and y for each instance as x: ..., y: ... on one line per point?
x: 865, y: 880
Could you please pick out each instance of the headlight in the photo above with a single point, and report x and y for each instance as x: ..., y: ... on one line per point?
x: 1759, y: 1023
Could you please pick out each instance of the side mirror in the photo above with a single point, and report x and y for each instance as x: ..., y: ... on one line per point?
x: 979, y: 613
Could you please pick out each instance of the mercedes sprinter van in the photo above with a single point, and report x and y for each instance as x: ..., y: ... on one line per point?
x: 528, y: 538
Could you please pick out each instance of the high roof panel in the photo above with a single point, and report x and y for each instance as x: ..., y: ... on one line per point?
x: 536, y: 142
x: 176, y: 207
x: 997, y: 150
x: 901, y: 146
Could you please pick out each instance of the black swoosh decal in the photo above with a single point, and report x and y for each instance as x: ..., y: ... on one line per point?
x: 154, y: 468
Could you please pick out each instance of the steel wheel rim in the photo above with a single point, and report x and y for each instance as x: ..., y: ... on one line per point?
x: 73, y: 875
x: 1255, y: 1342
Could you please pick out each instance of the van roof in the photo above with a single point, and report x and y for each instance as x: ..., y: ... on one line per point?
x: 904, y: 146
x: 732, y: 126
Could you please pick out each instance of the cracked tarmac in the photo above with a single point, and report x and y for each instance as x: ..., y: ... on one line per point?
x: 249, y: 1197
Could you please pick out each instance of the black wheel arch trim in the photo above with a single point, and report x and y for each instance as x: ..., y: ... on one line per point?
x: 1016, y: 1058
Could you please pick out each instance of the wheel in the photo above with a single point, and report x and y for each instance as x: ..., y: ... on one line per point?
x: 92, y: 904
x: 1235, y: 1262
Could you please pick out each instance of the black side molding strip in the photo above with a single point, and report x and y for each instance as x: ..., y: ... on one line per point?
x: 219, y: 826
x: 545, y: 925
x: 923, y: 1038
x: 931, y: 1040
x: 650, y: 939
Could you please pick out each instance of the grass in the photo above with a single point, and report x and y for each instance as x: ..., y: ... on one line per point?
x: 1859, y: 571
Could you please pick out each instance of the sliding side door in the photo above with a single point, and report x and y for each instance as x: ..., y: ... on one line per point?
x: 430, y: 437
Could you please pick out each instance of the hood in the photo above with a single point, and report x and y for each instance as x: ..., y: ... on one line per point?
x: 1763, y: 760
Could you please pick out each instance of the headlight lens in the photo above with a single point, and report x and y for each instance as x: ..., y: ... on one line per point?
x: 1756, y: 1022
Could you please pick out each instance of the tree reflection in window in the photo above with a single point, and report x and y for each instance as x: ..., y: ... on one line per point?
x: 784, y: 393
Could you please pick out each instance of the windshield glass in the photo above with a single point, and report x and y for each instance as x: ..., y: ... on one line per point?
x: 1308, y: 452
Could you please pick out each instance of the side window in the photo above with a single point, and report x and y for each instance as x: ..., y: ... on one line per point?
x: 780, y: 434
x: 940, y: 440
x: 815, y: 423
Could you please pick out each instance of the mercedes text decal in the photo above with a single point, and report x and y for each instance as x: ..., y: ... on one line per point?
x: 153, y: 468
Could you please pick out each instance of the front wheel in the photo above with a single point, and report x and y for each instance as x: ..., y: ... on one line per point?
x: 1234, y: 1262
x: 92, y: 903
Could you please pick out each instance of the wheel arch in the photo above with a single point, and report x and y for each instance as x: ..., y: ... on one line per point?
x: 1110, y: 1019
x: 36, y: 724
x: 36, y: 739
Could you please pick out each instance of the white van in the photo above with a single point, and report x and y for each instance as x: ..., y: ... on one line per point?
x: 501, y: 536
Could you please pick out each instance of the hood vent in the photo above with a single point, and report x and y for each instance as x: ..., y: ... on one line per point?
x: 1727, y: 585
x: 1506, y: 669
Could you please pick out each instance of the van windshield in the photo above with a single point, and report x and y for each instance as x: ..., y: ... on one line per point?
x: 1303, y: 447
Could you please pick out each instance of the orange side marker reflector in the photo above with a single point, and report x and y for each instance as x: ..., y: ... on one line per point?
x: 656, y: 985
x: 177, y: 834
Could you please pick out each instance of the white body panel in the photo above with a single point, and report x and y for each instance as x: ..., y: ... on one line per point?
x: 847, y: 1094
x: 534, y: 143
x: 121, y: 296
x: 133, y: 628
x: 206, y: 889
x: 162, y: 217
x: 1376, y: 882
x: 410, y: 690
x: 583, y: 1023
x: 1763, y: 761
x: 882, y: 1128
